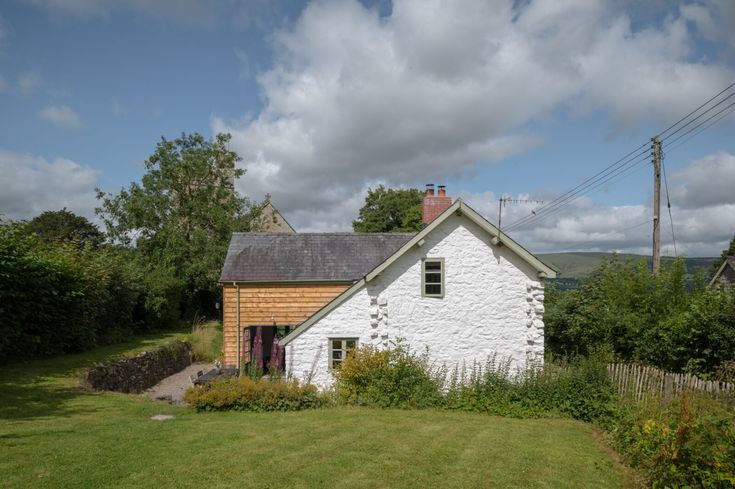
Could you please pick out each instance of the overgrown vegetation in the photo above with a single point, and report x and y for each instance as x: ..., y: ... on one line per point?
x: 689, y: 442
x: 653, y: 319
x: 59, y: 298
x: 206, y: 340
x: 397, y: 377
x: 247, y: 394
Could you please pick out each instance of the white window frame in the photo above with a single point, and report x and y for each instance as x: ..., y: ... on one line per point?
x: 343, y: 349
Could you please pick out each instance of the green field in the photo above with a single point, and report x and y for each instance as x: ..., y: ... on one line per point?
x: 54, y: 434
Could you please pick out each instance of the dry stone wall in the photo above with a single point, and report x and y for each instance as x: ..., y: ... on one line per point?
x: 138, y: 373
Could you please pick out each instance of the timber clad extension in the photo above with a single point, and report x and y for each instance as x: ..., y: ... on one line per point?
x: 261, y: 304
x: 284, y: 279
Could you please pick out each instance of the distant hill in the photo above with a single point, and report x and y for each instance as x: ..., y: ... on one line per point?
x: 577, y: 265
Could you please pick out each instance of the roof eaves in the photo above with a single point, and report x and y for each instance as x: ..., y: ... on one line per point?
x: 730, y: 260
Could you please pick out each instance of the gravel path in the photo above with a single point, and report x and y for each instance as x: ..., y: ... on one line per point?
x: 174, y: 386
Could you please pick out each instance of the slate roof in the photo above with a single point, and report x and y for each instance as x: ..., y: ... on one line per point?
x: 338, y: 257
x: 726, y: 273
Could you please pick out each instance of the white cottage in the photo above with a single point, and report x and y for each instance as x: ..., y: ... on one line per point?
x: 459, y: 287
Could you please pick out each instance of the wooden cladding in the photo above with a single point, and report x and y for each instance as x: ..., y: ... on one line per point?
x: 261, y: 304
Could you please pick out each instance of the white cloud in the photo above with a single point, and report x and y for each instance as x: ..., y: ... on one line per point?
x: 706, y: 182
x: 714, y: 19
x: 60, y: 115
x: 31, y: 185
x: 438, y: 87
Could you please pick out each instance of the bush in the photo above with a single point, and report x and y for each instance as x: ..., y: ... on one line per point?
x: 688, y: 443
x: 246, y: 394
x: 63, y: 297
x: 659, y: 320
x: 388, y: 378
x: 579, y: 389
x: 399, y: 378
x: 206, y: 340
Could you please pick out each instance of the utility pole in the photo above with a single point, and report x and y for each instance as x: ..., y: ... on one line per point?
x: 656, y: 255
x: 504, y: 201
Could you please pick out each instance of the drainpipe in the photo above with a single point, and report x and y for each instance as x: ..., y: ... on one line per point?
x: 239, y: 332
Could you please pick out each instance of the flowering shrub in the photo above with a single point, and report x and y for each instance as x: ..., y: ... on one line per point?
x: 393, y: 377
x: 247, y: 394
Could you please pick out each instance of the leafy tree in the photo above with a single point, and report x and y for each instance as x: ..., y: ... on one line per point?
x: 181, y: 217
x: 644, y: 317
x: 730, y: 251
x: 64, y: 226
x: 390, y: 210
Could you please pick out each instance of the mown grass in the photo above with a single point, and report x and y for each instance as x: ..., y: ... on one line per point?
x: 54, y: 434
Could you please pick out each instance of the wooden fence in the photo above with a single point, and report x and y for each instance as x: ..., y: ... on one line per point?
x: 641, y: 382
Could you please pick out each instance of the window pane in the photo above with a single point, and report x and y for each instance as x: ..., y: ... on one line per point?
x: 336, y: 354
x: 336, y: 344
x: 336, y: 363
x: 351, y: 344
x: 432, y: 265
x: 433, y: 278
x: 433, y: 289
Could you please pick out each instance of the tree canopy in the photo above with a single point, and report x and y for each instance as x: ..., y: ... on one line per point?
x: 64, y: 226
x: 390, y: 210
x: 182, y: 214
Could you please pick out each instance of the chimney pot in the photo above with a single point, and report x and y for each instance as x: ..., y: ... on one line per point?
x: 433, y: 205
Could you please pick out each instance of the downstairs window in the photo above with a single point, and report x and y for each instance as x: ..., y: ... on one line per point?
x: 338, y: 350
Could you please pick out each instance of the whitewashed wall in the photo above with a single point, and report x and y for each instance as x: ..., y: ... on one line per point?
x: 493, y: 303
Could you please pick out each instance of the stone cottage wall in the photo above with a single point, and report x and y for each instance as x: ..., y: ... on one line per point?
x: 493, y: 304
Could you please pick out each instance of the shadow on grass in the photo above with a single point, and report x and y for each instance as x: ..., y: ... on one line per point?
x: 46, y: 387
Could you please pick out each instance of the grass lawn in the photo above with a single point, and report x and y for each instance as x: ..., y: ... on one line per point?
x: 53, y: 434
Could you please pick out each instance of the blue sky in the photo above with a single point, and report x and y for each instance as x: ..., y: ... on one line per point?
x: 325, y: 99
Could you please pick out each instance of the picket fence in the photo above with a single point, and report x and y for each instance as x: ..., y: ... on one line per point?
x: 640, y: 382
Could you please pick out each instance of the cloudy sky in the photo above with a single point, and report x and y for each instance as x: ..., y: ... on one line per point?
x: 325, y: 99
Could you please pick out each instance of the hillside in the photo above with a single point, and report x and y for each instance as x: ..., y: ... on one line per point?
x: 576, y: 265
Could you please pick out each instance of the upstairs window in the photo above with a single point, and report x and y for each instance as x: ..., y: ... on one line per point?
x: 338, y: 350
x: 432, y: 277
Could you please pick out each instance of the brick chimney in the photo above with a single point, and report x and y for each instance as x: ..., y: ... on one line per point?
x: 435, y: 204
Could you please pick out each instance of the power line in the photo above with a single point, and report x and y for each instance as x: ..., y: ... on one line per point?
x: 647, y: 221
x: 545, y: 211
x: 668, y: 201
x: 618, y: 168
x: 723, y: 116
x: 559, y: 200
x: 704, y: 122
x: 700, y: 115
x: 696, y: 110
